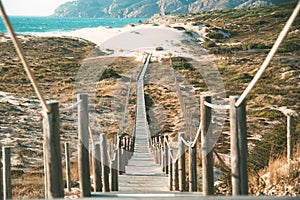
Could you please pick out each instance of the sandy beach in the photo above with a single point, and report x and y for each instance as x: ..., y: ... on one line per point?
x: 130, y: 39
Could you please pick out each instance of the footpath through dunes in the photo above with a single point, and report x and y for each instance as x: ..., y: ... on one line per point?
x: 143, y: 178
x: 142, y: 174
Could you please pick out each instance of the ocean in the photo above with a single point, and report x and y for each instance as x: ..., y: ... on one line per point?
x: 36, y: 25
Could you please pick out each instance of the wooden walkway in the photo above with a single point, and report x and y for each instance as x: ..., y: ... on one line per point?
x: 142, y: 174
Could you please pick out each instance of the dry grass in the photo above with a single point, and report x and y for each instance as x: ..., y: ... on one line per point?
x: 278, y: 178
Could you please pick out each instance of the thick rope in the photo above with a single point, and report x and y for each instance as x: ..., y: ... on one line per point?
x: 197, y: 135
x: 186, y: 143
x: 217, y: 106
x: 71, y: 107
x: 270, y: 56
x: 23, y: 59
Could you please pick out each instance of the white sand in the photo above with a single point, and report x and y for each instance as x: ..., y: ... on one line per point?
x: 134, y: 39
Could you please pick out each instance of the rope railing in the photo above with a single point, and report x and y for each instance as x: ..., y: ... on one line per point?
x: 75, y: 105
x: 270, y: 56
x: 217, y: 106
x: 186, y: 143
x: 23, y: 59
x: 197, y: 136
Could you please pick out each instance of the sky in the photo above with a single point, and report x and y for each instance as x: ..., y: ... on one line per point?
x: 31, y: 7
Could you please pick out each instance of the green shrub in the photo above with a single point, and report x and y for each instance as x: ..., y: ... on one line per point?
x: 209, y: 44
x: 215, y: 35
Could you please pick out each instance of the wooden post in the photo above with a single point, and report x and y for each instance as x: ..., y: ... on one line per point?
x: 207, y: 148
x: 121, y: 162
x: 125, y: 154
x: 170, y: 170
x: 192, y: 169
x: 97, y: 169
x: 114, y: 173
x: 155, y: 152
x: 105, y: 164
x: 7, y: 189
x: 83, y: 146
x: 243, y: 148
x: 181, y: 164
x: 68, y: 167
x: 175, y: 176
x: 166, y: 156
x: 129, y: 148
x: 290, y: 135
x: 234, y: 148
x: 52, y: 153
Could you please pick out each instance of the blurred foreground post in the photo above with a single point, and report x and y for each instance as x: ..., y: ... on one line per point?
x: 52, y: 153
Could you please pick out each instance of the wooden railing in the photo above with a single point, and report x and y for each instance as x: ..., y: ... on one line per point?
x: 172, y: 158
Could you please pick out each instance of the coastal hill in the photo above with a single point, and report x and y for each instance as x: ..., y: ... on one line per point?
x: 147, y: 8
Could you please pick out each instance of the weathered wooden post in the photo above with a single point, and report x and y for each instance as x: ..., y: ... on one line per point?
x: 105, y: 164
x: 290, y: 136
x: 181, y: 164
x: 175, y: 175
x: 192, y: 169
x: 170, y: 164
x: 121, y: 161
x: 166, y: 155
x: 207, y: 148
x: 155, y: 152
x: 114, y: 172
x: 83, y: 146
x: 243, y: 148
x: 159, y: 150
x: 68, y: 167
x: 162, y: 153
x: 52, y: 153
x: 234, y: 147
x: 97, y: 169
x: 7, y: 189
x: 1, y: 184
x: 125, y: 154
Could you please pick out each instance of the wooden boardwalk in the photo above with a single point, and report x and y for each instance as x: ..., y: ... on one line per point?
x: 142, y: 174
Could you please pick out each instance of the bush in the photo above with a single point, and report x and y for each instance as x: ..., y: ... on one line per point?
x: 215, y: 35
x: 209, y: 44
x: 159, y: 48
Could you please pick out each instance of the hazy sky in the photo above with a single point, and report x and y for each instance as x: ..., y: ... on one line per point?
x: 31, y: 7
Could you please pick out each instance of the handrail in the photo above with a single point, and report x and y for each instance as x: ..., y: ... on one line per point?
x: 186, y: 143
x: 270, y: 56
x: 217, y: 106
x: 197, y: 135
x: 71, y: 107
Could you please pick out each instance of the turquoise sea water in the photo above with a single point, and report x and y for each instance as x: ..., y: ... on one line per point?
x: 32, y: 25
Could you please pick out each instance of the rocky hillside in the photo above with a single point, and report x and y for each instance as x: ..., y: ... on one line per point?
x: 147, y: 8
